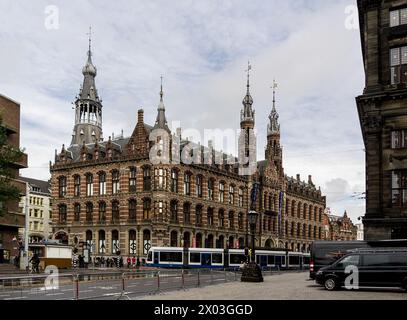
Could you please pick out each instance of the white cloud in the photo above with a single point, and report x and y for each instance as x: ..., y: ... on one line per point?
x: 201, y: 48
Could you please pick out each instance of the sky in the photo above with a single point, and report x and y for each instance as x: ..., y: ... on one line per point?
x: 201, y: 48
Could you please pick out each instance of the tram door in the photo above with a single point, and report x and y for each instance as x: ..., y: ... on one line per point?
x: 206, y: 259
x: 263, y: 261
x: 156, y: 257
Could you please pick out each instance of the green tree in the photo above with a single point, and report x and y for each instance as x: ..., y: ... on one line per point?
x: 8, y: 156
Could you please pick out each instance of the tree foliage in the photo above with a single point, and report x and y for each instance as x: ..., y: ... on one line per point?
x: 8, y: 156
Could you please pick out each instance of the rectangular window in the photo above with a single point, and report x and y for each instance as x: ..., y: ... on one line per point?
x: 199, y: 186
x: 216, y: 258
x: 115, y: 182
x: 398, y: 17
x: 195, y: 257
x: 221, y: 192
x: 170, y: 256
x: 174, y: 181
x: 132, y: 180
x: 161, y: 178
x: 89, y: 185
x: 210, y: 189
x: 146, y: 179
x: 398, y: 64
x: 77, y: 186
x: 231, y: 195
x: 187, y: 184
x: 240, y: 197
x: 399, y: 139
x: 62, y: 187
x: 399, y: 188
x: 102, y: 184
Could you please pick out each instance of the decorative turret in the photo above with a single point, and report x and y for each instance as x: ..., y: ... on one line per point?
x: 161, y: 121
x: 88, y: 107
x: 273, y: 127
x: 247, y: 113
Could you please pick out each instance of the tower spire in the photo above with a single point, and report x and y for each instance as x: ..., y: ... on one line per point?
x: 273, y: 127
x: 247, y: 113
x: 161, y: 121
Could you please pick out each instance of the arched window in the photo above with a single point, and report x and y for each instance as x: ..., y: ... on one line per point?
x: 198, y: 240
x: 115, y: 211
x: 315, y: 214
x: 132, y: 179
x: 231, y: 242
x: 115, y: 181
x: 304, y: 231
x: 89, y: 212
x: 240, y: 221
x: 102, y: 241
x: 115, y: 242
x: 299, y: 210
x: 198, y: 215
x: 298, y: 229
x: 77, y: 185
x: 240, y: 197
x: 221, y: 191
x: 231, y: 220
x: 77, y: 212
x: 132, y: 242
x: 221, y: 242
x: 89, y: 185
x: 241, y: 243
x: 210, y: 216
x: 309, y: 231
x: 146, y: 209
x: 174, y: 211
x: 102, y: 211
x: 320, y: 215
x: 292, y: 228
x: 187, y: 213
x: 146, y: 179
x: 293, y: 208
x: 187, y: 239
x: 146, y: 241
x: 271, y: 203
x: 211, y: 183
x: 315, y: 232
x: 89, y: 240
x: 132, y: 210
x: 62, y: 187
x: 210, y: 241
x: 304, y: 213
x: 174, y: 181
x: 161, y: 178
x: 221, y: 218
x: 174, y: 239
x: 231, y: 195
x: 62, y: 213
x: 102, y: 183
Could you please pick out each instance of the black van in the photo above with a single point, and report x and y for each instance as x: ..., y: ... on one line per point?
x: 324, y: 253
x: 375, y: 267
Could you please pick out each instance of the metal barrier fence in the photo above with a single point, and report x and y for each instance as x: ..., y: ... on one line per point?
x: 108, y: 285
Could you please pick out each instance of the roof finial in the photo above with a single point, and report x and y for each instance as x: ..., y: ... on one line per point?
x: 249, y: 67
x: 161, y: 91
x: 274, y: 93
x: 90, y: 37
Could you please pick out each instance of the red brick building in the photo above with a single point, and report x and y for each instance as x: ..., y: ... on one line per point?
x: 12, y: 218
x: 339, y: 228
x: 109, y: 194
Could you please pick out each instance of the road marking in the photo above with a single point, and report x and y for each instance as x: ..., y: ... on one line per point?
x: 15, y: 298
x: 4, y: 295
x: 65, y: 290
x: 82, y: 291
x: 54, y: 294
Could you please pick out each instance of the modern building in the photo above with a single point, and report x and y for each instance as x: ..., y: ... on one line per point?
x: 109, y: 195
x: 12, y: 219
x: 339, y: 228
x: 39, y: 210
x: 383, y: 117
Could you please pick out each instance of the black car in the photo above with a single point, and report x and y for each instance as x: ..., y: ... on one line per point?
x: 325, y: 253
x: 367, y: 268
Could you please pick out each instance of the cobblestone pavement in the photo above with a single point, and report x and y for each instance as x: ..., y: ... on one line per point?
x: 286, y: 286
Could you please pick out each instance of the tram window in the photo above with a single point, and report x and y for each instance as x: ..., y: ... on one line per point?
x: 270, y: 259
x: 195, y: 257
x: 237, y: 258
x: 283, y: 260
x: 306, y: 260
x: 216, y: 258
x: 170, y: 256
x: 150, y: 256
x: 294, y: 260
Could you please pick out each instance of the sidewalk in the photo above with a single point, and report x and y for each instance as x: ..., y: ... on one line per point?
x: 285, y: 286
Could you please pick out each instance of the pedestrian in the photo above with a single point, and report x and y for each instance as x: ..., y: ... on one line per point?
x: 121, y: 262
x: 133, y: 261
x: 128, y: 262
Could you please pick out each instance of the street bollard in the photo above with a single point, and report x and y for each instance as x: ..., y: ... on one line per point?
x: 210, y: 271
x: 158, y: 281
x: 226, y: 277
x: 198, y: 279
x: 123, y: 282
x: 76, y: 286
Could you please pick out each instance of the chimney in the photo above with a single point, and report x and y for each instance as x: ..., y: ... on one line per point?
x: 140, y: 118
x: 309, y: 179
x: 298, y: 177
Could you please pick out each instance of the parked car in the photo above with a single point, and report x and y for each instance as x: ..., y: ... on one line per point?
x: 324, y: 253
x: 374, y: 267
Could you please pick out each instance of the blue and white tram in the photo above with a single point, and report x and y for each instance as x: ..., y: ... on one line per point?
x: 171, y: 257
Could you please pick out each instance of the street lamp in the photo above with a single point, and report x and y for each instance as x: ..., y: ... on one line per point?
x: 251, y: 271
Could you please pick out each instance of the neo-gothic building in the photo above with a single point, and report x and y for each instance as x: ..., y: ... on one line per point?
x: 107, y: 192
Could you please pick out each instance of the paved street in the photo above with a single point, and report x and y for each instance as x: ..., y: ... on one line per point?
x: 286, y: 286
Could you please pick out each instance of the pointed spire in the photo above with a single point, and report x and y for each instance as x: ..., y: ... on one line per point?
x: 247, y: 113
x: 273, y: 127
x: 161, y: 121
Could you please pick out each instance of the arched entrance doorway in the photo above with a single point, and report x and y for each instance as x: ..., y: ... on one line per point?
x: 62, y: 236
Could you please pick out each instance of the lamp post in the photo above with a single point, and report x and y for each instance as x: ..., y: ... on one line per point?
x: 252, y: 271
x: 24, y: 257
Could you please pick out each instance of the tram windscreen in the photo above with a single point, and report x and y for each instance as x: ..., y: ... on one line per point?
x: 216, y: 258
x: 170, y: 256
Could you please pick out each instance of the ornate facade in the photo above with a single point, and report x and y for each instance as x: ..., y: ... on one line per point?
x: 339, y: 228
x: 109, y: 194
